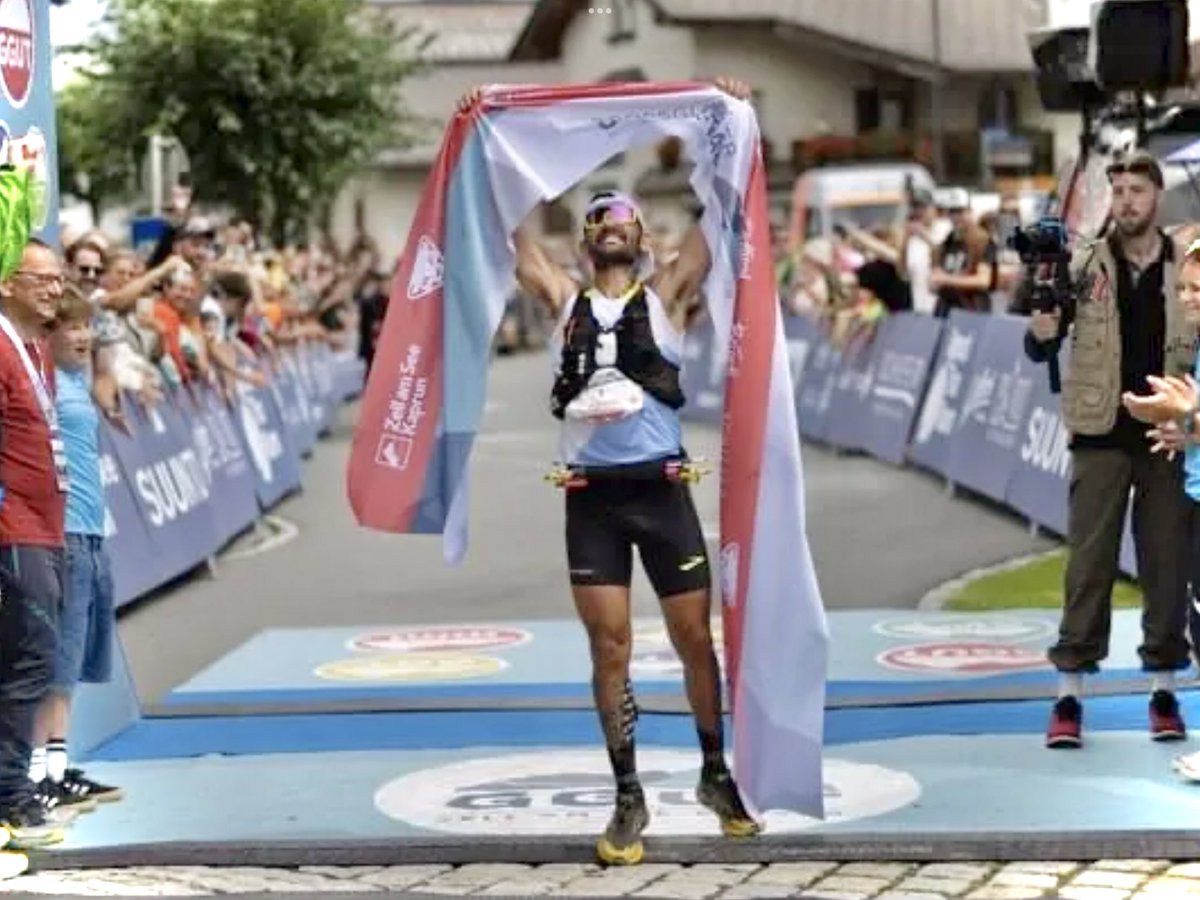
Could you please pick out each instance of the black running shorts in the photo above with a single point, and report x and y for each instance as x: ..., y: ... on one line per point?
x: 607, y: 518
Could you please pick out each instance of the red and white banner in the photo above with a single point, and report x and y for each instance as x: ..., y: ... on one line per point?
x: 425, y: 397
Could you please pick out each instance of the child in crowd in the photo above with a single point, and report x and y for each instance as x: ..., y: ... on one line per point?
x: 1174, y: 410
x: 88, y: 617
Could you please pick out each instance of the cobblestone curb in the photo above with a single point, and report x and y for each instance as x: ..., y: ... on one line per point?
x: 1117, y: 879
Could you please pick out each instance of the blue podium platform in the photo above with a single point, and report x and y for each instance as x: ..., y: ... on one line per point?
x: 447, y: 742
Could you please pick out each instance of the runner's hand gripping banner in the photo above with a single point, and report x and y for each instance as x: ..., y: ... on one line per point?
x: 425, y: 397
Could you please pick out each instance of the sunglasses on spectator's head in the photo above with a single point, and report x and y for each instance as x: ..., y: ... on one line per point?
x: 1192, y: 253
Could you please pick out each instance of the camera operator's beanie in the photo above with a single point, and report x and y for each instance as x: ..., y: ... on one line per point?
x: 16, y: 217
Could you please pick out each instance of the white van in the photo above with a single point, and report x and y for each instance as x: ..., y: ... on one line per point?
x: 862, y: 194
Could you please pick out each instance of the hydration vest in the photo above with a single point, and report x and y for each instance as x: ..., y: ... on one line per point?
x: 638, y: 356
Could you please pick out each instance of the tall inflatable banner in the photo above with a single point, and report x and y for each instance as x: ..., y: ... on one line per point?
x: 28, y: 137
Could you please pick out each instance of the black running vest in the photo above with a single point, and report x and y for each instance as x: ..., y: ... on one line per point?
x: 638, y: 356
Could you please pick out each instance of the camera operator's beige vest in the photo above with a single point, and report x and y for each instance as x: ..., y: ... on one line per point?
x: 1092, y: 381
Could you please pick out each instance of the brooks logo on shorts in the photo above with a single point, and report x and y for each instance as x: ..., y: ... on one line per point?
x: 691, y: 563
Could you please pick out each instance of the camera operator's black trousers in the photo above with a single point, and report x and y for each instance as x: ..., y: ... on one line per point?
x: 1099, y: 494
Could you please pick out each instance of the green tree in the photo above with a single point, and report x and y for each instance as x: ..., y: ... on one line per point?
x: 92, y: 165
x: 276, y: 102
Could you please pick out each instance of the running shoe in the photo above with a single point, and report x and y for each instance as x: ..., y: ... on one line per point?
x: 76, y: 784
x: 621, y: 844
x: 719, y: 792
x: 1066, y: 725
x: 1166, y: 722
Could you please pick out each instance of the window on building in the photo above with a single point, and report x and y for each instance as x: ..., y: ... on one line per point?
x: 882, y: 110
x: 998, y: 107
x: 623, y: 22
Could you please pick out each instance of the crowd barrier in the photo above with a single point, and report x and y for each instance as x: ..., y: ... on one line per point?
x: 956, y: 397
x: 193, y: 472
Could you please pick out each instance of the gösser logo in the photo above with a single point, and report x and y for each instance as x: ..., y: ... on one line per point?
x: 970, y: 657
x: 560, y: 791
x: 440, y: 637
x: 980, y: 628
x: 411, y: 667
x: 16, y: 50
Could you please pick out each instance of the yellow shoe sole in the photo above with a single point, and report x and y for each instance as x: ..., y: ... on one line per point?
x: 740, y: 828
x: 612, y: 855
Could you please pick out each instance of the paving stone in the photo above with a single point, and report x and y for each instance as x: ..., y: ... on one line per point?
x: 520, y: 888
x: 831, y: 894
x: 1125, y: 881
x: 720, y: 873
x: 1043, y: 868
x: 1185, y: 870
x: 755, y: 891
x: 1171, y: 887
x: 1149, y: 866
x: 1013, y: 878
x: 799, y: 874
x: 840, y: 882
x: 341, y: 871
x: 481, y: 874
x: 1005, y: 892
x: 950, y: 887
x: 1072, y: 892
x: 397, y: 878
x: 964, y: 871
x: 886, y: 871
x: 911, y: 895
x: 450, y: 890
x: 679, y: 889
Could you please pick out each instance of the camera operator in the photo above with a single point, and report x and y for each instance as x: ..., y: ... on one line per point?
x: 1126, y: 327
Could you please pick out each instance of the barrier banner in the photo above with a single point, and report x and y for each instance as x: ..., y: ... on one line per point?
x: 292, y: 401
x: 905, y: 348
x: 803, y: 335
x: 137, y: 567
x: 983, y: 449
x: 846, y: 422
x: 318, y: 401
x: 814, y: 398
x: 701, y: 378
x: 169, y: 486
x: 226, y: 463
x: 939, y: 413
x: 276, y: 460
x: 1042, y: 475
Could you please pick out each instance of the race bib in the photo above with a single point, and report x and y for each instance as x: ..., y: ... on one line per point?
x: 608, y: 397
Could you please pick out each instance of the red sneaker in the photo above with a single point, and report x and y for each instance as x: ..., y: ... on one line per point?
x: 1066, y: 725
x: 1166, y: 724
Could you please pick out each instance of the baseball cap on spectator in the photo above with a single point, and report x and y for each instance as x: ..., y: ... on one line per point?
x: 198, y: 227
x: 953, y: 199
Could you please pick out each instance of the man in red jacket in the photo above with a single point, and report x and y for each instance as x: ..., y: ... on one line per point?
x: 32, y: 510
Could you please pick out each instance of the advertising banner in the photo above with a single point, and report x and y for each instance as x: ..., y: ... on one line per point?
x: 846, y: 421
x: 276, y: 460
x: 814, y: 398
x: 984, y: 446
x: 947, y: 388
x: 905, y: 350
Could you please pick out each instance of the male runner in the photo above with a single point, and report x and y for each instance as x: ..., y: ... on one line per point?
x: 618, y: 348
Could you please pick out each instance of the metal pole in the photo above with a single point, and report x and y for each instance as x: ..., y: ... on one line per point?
x: 939, y: 145
x: 156, y: 176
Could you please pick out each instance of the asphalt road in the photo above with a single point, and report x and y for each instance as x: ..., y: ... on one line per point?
x: 881, y: 537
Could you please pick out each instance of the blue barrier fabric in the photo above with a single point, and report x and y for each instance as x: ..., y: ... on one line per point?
x: 955, y: 396
x: 194, y: 472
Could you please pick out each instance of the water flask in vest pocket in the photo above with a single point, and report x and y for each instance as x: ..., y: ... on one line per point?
x: 609, y: 396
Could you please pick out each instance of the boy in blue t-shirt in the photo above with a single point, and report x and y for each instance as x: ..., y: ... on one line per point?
x: 1174, y: 410
x: 88, y: 617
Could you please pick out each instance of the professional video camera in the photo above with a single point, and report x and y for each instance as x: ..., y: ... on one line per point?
x: 1044, y: 252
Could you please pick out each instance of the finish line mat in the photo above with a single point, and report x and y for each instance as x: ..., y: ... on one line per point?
x: 919, y: 797
x: 877, y: 659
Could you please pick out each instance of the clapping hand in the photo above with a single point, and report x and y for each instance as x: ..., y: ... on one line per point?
x: 1172, y: 398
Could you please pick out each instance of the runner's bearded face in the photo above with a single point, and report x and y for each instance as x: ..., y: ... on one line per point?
x: 612, y: 235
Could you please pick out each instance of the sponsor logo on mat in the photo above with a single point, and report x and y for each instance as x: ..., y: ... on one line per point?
x: 569, y: 791
x: 967, y: 657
